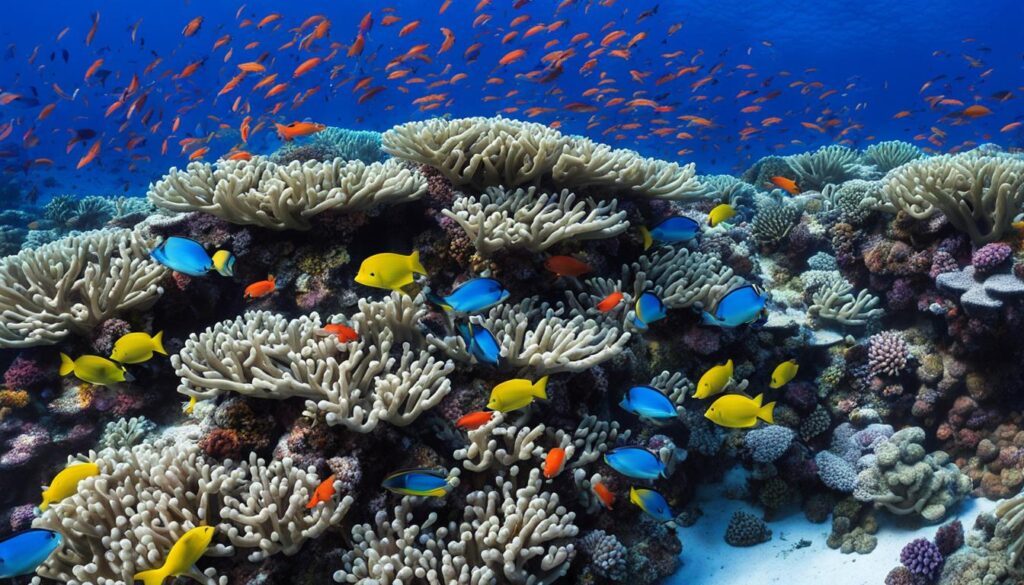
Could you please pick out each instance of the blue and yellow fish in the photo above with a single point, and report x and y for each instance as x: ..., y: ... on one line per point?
x: 189, y: 257
x: 635, y: 462
x: 22, y: 553
x: 472, y: 296
x: 739, y: 306
x: 418, y: 482
x: 671, y: 231
x: 648, y: 309
x: 648, y: 402
x: 651, y: 502
x: 480, y: 342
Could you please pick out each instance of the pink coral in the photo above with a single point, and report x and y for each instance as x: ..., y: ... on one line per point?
x: 107, y: 333
x: 990, y: 256
x: 25, y: 447
x: 26, y: 373
x: 887, y: 353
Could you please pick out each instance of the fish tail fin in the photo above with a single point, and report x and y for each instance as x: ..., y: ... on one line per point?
x: 158, y: 343
x: 646, y: 235
x: 67, y: 365
x: 540, y: 388
x: 43, y: 506
x: 767, y: 413
x: 414, y: 263
x: 151, y: 577
x: 729, y: 366
x: 759, y: 399
x: 634, y: 496
x: 437, y: 300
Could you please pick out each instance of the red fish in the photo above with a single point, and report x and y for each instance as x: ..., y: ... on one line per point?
x: 322, y: 493
x: 90, y: 155
x: 788, y: 185
x: 567, y: 266
x: 474, y: 420
x: 239, y: 155
x: 604, y: 494
x: 260, y: 289
x: 298, y: 129
x: 610, y: 302
x: 344, y: 333
x: 192, y: 27
x: 554, y: 462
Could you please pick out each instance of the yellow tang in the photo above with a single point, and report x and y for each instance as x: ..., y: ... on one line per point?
x: 92, y: 369
x: 783, y: 373
x: 517, y: 393
x: 736, y: 411
x: 714, y: 380
x: 390, y: 271
x: 720, y: 213
x: 65, y: 483
x: 182, y: 558
x: 135, y: 348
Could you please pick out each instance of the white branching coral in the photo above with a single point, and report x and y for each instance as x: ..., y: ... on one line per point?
x: 828, y: 164
x: 385, y: 376
x: 837, y: 303
x: 889, y: 154
x: 487, y: 152
x: 495, y: 442
x: 260, y: 192
x: 980, y: 195
x: 514, y: 532
x: 125, y: 519
x: 73, y: 284
x: 527, y: 219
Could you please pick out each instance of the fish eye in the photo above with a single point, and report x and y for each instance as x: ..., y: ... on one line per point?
x: 373, y: 274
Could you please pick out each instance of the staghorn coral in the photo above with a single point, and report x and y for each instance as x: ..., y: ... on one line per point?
x: 73, y: 284
x: 525, y: 218
x: 828, y: 164
x: 889, y: 154
x: 260, y: 192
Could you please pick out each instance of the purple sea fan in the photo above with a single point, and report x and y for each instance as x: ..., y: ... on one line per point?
x: 922, y: 557
x: 888, y: 353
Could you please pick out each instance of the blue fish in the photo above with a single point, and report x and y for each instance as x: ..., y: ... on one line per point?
x: 739, y: 306
x: 481, y: 342
x: 649, y: 309
x: 671, y: 231
x: 651, y: 502
x: 635, y: 462
x: 23, y: 552
x: 648, y: 402
x: 472, y: 296
x: 189, y: 257
x: 418, y: 482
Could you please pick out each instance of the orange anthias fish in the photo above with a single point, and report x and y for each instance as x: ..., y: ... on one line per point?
x: 192, y: 27
x: 976, y: 111
x: 322, y: 493
x: 239, y: 155
x: 788, y: 185
x: 474, y: 420
x: 567, y: 266
x: 554, y: 462
x: 298, y: 129
x: 344, y: 333
x: 604, y: 494
x: 90, y: 155
x: 610, y: 302
x: 260, y: 289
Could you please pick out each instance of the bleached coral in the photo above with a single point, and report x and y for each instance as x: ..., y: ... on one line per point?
x: 525, y: 218
x: 125, y: 432
x: 334, y: 142
x: 889, y: 154
x: 495, y: 442
x: 260, y: 192
x: 73, y: 284
x: 828, y: 164
x: 837, y: 303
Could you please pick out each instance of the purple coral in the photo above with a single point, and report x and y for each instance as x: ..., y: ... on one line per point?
x: 990, y: 256
x: 24, y: 373
x: 922, y: 558
x: 942, y: 262
x: 888, y: 353
x: 24, y: 447
x: 949, y: 538
x: 107, y: 333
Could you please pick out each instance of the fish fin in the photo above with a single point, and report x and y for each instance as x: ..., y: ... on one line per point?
x: 634, y: 496
x: 767, y: 413
x: 540, y: 388
x: 709, y: 319
x: 759, y: 399
x: 44, y: 505
x: 414, y: 263
x: 151, y: 577
x: 158, y: 343
x: 439, y: 301
x: 729, y: 366
x: 67, y: 365
x: 646, y: 235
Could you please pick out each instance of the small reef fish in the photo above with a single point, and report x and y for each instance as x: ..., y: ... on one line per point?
x: 343, y: 332
x: 323, y: 492
x: 635, y: 462
x: 610, y: 302
x: 474, y: 420
x: 652, y: 503
x: 783, y: 373
x: 189, y: 257
x: 714, y: 380
x: 671, y: 231
x: 295, y: 130
x: 390, y: 271
x: 721, y: 212
x: 480, y: 342
x: 182, y: 558
x: 739, y: 306
x: 190, y: 406
x: 517, y: 393
x: 787, y: 185
x: 649, y: 309
x: 736, y: 411
x: 567, y: 266
x: 260, y: 289
x: 138, y: 347
x: 554, y: 462
x: 648, y: 402
x: 418, y: 482
x: 472, y: 296
x: 23, y: 552
x: 92, y: 369
x: 65, y: 483
x: 604, y: 494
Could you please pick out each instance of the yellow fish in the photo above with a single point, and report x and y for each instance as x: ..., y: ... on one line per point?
x: 714, y: 381
x: 390, y: 271
x: 516, y: 394
x: 720, y: 213
x: 736, y: 411
x: 92, y: 369
x: 182, y: 558
x: 190, y: 406
x: 65, y: 483
x: 783, y: 373
x: 135, y: 348
x: 224, y: 262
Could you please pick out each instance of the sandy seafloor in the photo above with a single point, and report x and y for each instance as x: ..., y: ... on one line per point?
x: 708, y: 560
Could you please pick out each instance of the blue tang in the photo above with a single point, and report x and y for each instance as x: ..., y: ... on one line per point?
x: 481, y: 343
x: 418, y: 482
x: 189, y: 257
x: 651, y: 502
x: 671, y: 231
x: 740, y: 306
x: 648, y: 402
x: 23, y: 552
x: 635, y: 462
x: 649, y: 309
x: 472, y: 296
